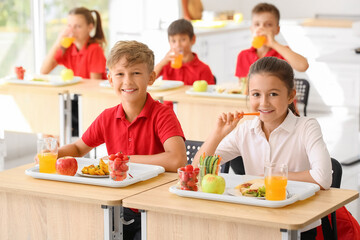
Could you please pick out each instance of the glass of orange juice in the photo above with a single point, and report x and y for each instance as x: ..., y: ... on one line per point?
x: 177, y: 61
x: 258, y: 41
x: 47, y: 152
x: 275, y: 181
x: 67, y: 41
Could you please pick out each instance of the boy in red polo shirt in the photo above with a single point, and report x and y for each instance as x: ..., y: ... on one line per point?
x: 265, y: 22
x: 140, y: 127
x: 181, y: 39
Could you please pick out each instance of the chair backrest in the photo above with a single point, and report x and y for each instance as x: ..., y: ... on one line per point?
x: 237, y: 165
x: 337, y: 173
x: 191, y: 149
x: 302, y: 87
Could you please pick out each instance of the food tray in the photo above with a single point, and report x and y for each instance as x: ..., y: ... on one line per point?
x: 159, y: 85
x: 50, y: 80
x: 211, y: 92
x: 296, y: 191
x: 139, y: 172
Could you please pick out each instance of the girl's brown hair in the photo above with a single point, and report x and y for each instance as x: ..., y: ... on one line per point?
x: 275, y: 67
x: 99, y: 36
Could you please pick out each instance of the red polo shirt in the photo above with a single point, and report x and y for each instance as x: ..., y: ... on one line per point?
x: 90, y: 59
x: 189, y: 72
x: 248, y: 57
x: 144, y: 136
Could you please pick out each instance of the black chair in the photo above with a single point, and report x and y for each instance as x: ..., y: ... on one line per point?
x: 191, y: 149
x: 328, y: 231
x: 302, y: 87
x: 237, y: 165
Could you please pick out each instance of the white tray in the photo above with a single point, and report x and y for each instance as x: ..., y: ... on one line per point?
x: 211, y: 92
x: 139, y: 172
x: 51, y: 80
x: 296, y: 191
x: 159, y: 85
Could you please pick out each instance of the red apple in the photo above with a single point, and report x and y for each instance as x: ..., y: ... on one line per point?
x: 66, y: 166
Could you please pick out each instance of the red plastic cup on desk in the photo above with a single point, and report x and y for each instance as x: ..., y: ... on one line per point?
x: 20, y: 71
x: 118, y: 167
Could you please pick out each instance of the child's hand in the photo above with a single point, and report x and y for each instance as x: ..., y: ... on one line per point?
x: 170, y: 56
x: 227, y: 122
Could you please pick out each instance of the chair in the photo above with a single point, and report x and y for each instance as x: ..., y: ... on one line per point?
x: 302, y: 87
x: 236, y: 164
x: 328, y: 231
x: 191, y: 149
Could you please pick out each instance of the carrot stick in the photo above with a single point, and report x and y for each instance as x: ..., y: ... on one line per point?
x: 250, y: 114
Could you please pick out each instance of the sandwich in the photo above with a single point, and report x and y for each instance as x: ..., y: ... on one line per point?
x: 252, y: 188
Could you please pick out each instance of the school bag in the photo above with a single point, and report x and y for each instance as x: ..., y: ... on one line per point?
x: 347, y: 226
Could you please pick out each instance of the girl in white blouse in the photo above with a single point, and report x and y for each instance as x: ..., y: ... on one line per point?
x: 278, y: 135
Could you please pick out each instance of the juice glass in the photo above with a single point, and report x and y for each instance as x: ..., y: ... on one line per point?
x: 177, y: 61
x: 47, y: 152
x: 275, y: 181
x: 67, y: 41
x: 258, y: 41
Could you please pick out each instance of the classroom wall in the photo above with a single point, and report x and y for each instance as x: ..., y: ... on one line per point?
x: 289, y: 8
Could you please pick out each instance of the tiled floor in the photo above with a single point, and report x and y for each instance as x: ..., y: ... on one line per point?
x: 341, y: 133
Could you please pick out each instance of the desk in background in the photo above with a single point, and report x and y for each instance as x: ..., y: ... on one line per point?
x: 167, y: 215
x: 43, y: 209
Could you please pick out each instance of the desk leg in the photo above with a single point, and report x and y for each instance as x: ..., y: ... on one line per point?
x: 143, y: 225
x: 290, y: 234
x: 113, y: 229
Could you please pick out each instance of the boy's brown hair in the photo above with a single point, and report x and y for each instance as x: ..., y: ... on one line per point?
x: 181, y: 26
x: 266, y: 7
x: 134, y: 52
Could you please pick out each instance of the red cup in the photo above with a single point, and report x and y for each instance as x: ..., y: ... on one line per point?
x: 118, y: 169
x: 20, y: 72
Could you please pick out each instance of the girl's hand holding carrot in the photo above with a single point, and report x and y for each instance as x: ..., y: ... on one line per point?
x: 227, y: 122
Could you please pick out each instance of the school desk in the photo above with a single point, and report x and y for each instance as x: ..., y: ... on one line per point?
x: 43, y: 209
x: 168, y: 216
x: 198, y: 114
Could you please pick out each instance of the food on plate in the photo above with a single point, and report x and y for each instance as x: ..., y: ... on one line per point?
x: 101, y: 169
x: 234, y: 91
x: 212, y: 183
x: 188, y: 178
x: 252, y: 188
x: 67, y: 74
x: 208, y: 165
x: 119, y: 166
x: 220, y: 89
x: 66, y: 166
x: 200, y: 86
x: 19, y: 71
x: 39, y: 80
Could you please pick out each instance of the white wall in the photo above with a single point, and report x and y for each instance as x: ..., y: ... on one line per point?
x: 289, y: 8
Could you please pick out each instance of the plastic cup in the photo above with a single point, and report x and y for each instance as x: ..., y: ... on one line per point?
x: 188, y: 180
x: 47, y: 152
x: 19, y: 71
x: 177, y: 61
x: 258, y: 41
x: 67, y: 41
x: 275, y: 181
x: 118, y: 169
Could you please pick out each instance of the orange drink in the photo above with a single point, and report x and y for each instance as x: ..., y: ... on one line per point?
x: 47, y: 162
x: 47, y: 153
x: 177, y: 62
x: 258, y: 41
x: 67, y: 41
x: 275, y: 188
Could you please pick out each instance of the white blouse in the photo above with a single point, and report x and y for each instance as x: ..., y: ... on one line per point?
x: 298, y: 142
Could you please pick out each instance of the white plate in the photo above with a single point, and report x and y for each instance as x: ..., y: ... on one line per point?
x: 159, y: 85
x: 138, y: 172
x: 211, y: 92
x: 91, y: 176
x: 237, y: 193
x: 49, y: 80
x: 296, y: 191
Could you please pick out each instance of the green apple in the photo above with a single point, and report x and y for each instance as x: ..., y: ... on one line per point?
x: 67, y: 74
x: 200, y: 86
x: 212, y: 183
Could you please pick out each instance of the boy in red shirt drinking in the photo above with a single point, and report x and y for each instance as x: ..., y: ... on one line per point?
x: 140, y: 127
x: 181, y: 39
x: 265, y: 23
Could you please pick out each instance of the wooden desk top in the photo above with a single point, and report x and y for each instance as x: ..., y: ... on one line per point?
x: 307, y: 211
x: 15, y: 180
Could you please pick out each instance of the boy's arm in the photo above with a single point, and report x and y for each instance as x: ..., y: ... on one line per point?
x: 76, y: 149
x: 173, y: 157
x: 168, y: 57
x: 297, y: 62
